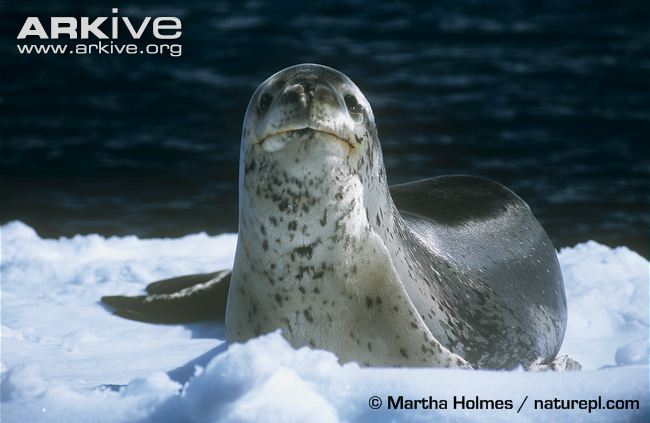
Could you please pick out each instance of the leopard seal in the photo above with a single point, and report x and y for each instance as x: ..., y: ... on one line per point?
x: 451, y: 271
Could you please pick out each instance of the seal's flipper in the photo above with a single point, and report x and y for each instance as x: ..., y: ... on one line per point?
x: 388, y: 317
x: 562, y: 363
x: 169, y: 286
x: 177, y: 300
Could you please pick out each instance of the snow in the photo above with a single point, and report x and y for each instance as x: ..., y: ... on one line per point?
x: 607, y: 295
x: 65, y: 358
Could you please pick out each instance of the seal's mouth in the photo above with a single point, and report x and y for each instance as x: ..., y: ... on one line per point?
x: 301, y: 132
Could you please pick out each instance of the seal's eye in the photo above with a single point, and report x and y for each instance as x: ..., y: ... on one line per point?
x: 265, y: 101
x: 352, y: 104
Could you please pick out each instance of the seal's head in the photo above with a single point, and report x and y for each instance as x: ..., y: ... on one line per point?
x: 305, y: 115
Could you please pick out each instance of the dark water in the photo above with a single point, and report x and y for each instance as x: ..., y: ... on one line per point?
x: 550, y: 98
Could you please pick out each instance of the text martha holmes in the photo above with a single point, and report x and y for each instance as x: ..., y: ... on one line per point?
x: 457, y: 403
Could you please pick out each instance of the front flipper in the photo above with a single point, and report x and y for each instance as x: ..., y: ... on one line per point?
x: 562, y: 363
x: 177, y: 300
x: 385, y: 322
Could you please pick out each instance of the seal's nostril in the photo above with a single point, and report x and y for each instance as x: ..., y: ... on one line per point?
x: 297, y: 88
x: 309, y: 88
x: 293, y: 94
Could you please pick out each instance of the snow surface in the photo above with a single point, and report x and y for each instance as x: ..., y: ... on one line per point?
x: 65, y: 358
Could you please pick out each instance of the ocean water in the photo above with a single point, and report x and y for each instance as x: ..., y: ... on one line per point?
x: 550, y: 98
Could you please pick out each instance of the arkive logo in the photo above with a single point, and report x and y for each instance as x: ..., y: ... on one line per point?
x: 114, y: 28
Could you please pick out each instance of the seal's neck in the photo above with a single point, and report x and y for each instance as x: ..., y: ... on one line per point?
x: 302, y: 202
x: 287, y: 211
